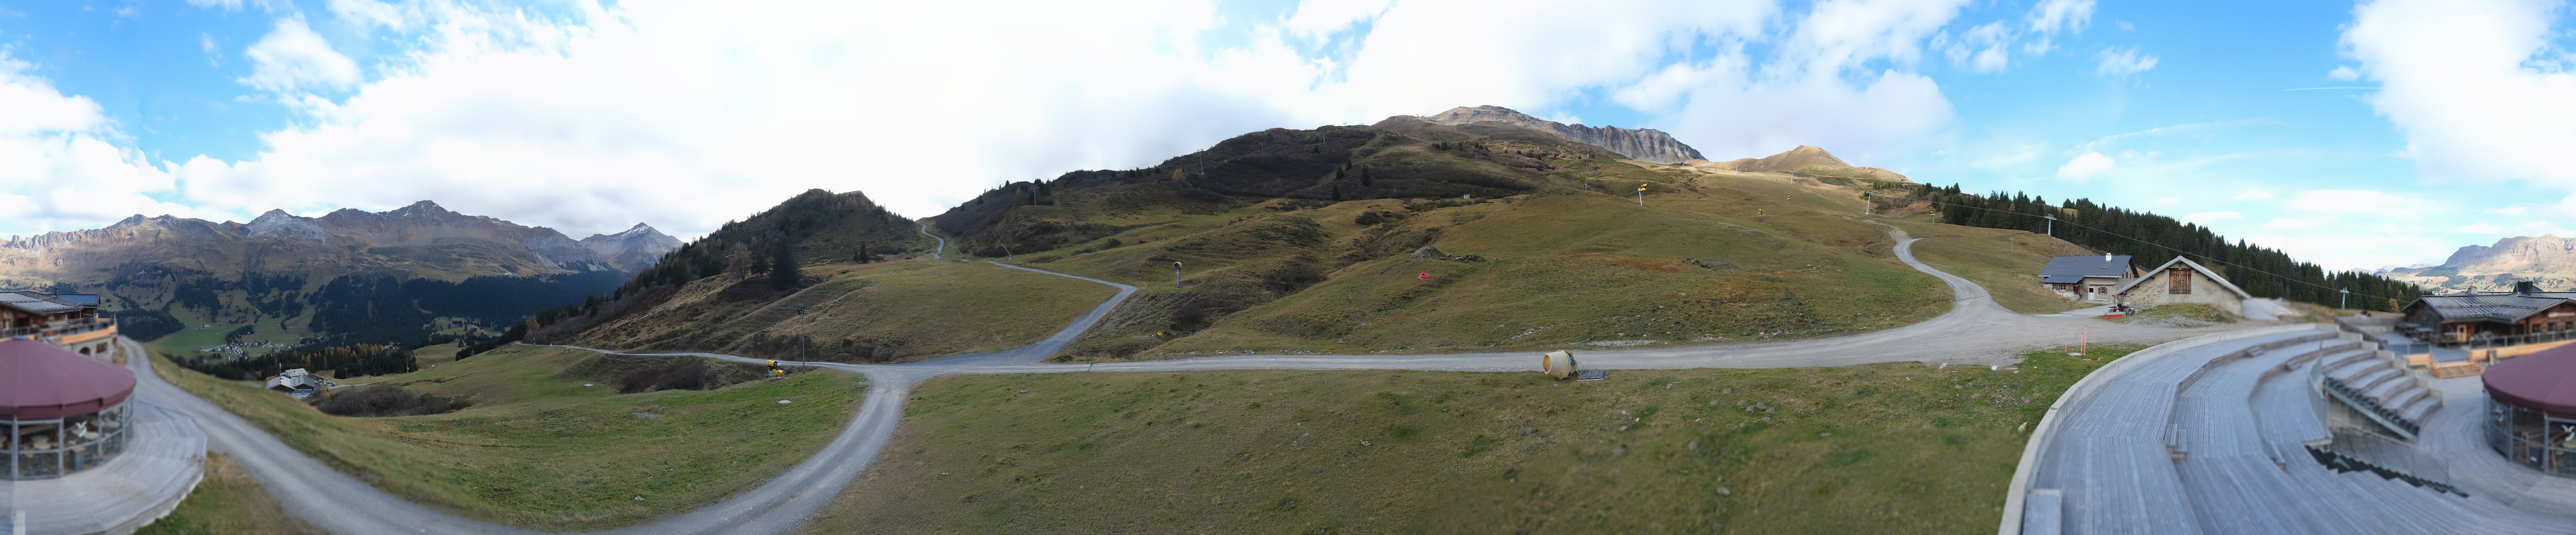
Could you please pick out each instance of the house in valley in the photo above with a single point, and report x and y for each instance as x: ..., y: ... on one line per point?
x: 2182, y: 281
x: 2087, y: 278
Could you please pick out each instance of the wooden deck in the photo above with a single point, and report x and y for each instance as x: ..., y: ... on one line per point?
x: 164, y: 458
x: 2242, y: 425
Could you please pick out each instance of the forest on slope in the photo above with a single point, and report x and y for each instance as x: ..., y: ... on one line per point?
x: 2152, y: 238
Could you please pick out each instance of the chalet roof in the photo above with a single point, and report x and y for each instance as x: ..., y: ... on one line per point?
x: 2062, y: 279
x: 2506, y: 307
x: 35, y: 302
x: 2195, y: 266
x: 2086, y: 266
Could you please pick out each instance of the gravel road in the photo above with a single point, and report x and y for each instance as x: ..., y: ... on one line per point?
x: 1974, y: 331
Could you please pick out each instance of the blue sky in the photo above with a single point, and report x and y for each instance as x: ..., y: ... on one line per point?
x: 2353, y: 134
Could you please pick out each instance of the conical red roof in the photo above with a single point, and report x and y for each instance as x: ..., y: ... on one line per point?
x: 39, y: 381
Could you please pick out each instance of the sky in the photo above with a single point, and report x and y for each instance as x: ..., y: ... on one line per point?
x: 2354, y: 135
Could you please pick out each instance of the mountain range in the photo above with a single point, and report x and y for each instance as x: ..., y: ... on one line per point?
x: 299, y: 271
x: 2547, y: 259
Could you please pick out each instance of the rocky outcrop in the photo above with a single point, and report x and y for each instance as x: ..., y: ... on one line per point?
x: 1643, y: 144
x: 632, y: 250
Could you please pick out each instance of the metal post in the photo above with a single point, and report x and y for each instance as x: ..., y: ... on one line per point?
x: 2346, y: 299
x: 1006, y: 253
x: 1641, y: 195
x: 801, y: 337
x: 2052, y: 224
x: 1176, y: 274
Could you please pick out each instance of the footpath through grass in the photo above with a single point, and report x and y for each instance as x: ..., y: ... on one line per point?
x: 2005, y: 262
x: 539, y: 450
x: 1882, y: 448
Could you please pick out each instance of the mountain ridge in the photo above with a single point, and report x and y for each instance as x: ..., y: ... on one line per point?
x: 2546, y: 259
x: 1641, y: 144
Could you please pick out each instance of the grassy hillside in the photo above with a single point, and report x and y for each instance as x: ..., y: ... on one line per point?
x: 1880, y: 448
x: 539, y: 450
x: 881, y: 312
x: 1711, y: 258
x: 228, y: 502
x: 2006, y: 262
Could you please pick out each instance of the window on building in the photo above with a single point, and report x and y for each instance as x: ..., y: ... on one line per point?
x: 2178, y: 281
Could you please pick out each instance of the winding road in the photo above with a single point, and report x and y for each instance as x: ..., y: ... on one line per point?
x: 1974, y: 331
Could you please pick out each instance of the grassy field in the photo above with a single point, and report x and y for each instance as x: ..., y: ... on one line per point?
x: 1707, y: 260
x: 540, y: 450
x: 882, y: 312
x: 2006, y: 262
x: 228, y: 502
x: 1884, y: 448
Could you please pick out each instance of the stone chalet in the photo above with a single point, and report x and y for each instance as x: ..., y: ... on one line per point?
x: 2087, y: 278
x: 69, y: 321
x: 2181, y: 281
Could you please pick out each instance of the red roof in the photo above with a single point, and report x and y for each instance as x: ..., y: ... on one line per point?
x: 39, y: 381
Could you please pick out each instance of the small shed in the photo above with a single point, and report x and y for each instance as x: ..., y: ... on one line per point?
x: 2183, y: 281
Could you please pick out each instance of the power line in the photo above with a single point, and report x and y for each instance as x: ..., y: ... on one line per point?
x: 2174, y: 249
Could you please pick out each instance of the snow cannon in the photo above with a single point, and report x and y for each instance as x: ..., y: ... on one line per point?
x: 1558, y: 364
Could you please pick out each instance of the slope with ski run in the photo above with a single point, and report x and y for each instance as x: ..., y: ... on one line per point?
x: 1974, y: 331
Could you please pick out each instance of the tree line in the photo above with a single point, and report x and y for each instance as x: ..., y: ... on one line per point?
x: 2260, y: 271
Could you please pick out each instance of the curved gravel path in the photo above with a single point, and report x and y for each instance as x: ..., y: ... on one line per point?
x: 1974, y: 331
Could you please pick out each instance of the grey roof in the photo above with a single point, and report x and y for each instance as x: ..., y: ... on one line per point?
x: 35, y: 302
x: 2086, y: 266
x: 2062, y: 279
x: 2507, y: 307
x: 2195, y: 266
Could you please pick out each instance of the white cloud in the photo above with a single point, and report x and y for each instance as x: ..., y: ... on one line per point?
x: 2478, y: 87
x: 59, y: 163
x: 292, y: 58
x: 2204, y: 218
x: 2085, y: 166
x: 2343, y: 74
x: 2380, y: 203
x: 2478, y: 228
x: 2053, y: 15
x: 2122, y: 62
x: 2291, y: 223
x: 686, y: 115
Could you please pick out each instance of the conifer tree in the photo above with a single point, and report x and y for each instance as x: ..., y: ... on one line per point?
x: 783, y: 273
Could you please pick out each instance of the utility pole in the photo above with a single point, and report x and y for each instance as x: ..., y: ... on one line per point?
x: 1641, y: 195
x: 2346, y: 298
x: 1176, y: 274
x: 1006, y: 253
x: 1867, y: 198
x: 2052, y: 224
x: 808, y: 333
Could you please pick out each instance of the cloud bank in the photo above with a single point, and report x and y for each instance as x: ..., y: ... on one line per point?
x: 688, y: 114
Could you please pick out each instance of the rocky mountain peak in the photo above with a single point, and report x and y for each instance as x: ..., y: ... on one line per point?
x: 633, y: 249
x: 1642, y: 144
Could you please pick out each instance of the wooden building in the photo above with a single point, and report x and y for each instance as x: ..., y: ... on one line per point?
x: 2524, y: 315
x: 69, y: 321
